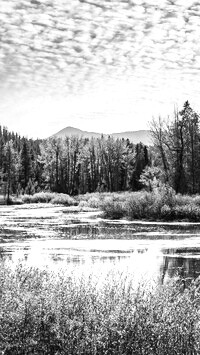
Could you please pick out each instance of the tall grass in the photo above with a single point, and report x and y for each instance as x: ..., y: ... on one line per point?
x: 46, y: 313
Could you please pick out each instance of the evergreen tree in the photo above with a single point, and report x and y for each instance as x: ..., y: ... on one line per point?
x: 140, y: 162
x: 25, y: 163
x: 9, y: 169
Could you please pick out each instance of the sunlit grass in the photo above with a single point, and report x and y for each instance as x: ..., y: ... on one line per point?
x: 65, y: 312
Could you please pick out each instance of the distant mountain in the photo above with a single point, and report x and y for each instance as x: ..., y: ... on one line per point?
x: 71, y: 131
x: 143, y: 136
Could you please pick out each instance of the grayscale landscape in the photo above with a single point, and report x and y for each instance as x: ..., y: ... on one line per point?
x: 99, y: 177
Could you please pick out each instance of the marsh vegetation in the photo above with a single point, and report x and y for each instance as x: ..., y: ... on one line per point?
x: 160, y: 204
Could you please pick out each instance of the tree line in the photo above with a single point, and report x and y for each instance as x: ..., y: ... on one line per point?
x: 75, y: 165
x: 71, y: 165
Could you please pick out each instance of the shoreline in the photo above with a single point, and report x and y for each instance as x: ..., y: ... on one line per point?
x: 100, y: 215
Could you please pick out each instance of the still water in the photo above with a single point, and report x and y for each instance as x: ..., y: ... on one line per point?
x: 46, y: 235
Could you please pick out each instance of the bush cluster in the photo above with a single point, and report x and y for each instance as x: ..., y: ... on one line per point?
x: 63, y: 199
x: 161, y: 204
x: 40, y: 197
x: 49, y: 197
x: 46, y: 313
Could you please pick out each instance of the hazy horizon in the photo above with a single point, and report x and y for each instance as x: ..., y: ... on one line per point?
x: 75, y: 128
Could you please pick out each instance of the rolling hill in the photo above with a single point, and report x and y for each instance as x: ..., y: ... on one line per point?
x: 143, y: 136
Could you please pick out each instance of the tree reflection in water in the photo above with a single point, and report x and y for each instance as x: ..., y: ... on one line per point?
x: 186, y: 268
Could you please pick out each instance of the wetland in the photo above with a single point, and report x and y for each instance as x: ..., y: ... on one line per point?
x: 46, y: 234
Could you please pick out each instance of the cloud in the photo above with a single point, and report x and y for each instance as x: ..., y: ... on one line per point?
x: 87, y: 35
x: 64, y: 47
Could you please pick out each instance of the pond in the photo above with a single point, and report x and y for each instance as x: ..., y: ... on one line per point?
x: 54, y: 236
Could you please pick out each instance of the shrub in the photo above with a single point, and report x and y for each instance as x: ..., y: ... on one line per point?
x: 63, y: 199
x: 189, y: 212
x: 165, y: 195
x: 43, y: 197
x: 159, y: 204
x: 167, y: 213
x: 88, y: 196
x: 46, y: 197
x: 196, y: 200
x: 94, y: 202
x: 39, y: 197
x: 26, y: 198
x: 112, y: 207
x: 83, y: 204
x: 182, y: 200
x: 135, y: 206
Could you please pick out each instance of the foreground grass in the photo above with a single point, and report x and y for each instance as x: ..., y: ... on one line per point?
x: 46, y: 313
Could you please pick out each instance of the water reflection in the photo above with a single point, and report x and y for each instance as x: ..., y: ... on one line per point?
x: 138, y: 256
x: 52, y: 235
x: 188, y: 268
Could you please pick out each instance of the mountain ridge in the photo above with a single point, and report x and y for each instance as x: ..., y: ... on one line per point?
x: 143, y: 136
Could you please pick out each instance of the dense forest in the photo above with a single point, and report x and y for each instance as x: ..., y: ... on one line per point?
x: 72, y: 165
x: 78, y: 165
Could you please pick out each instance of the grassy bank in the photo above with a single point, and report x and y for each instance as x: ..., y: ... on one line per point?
x: 161, y: 204
x: 46, y: 313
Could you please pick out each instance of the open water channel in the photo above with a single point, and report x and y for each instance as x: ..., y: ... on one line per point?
x: 46, y: 235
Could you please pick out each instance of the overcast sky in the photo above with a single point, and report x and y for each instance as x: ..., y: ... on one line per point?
x: 105, y: 66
